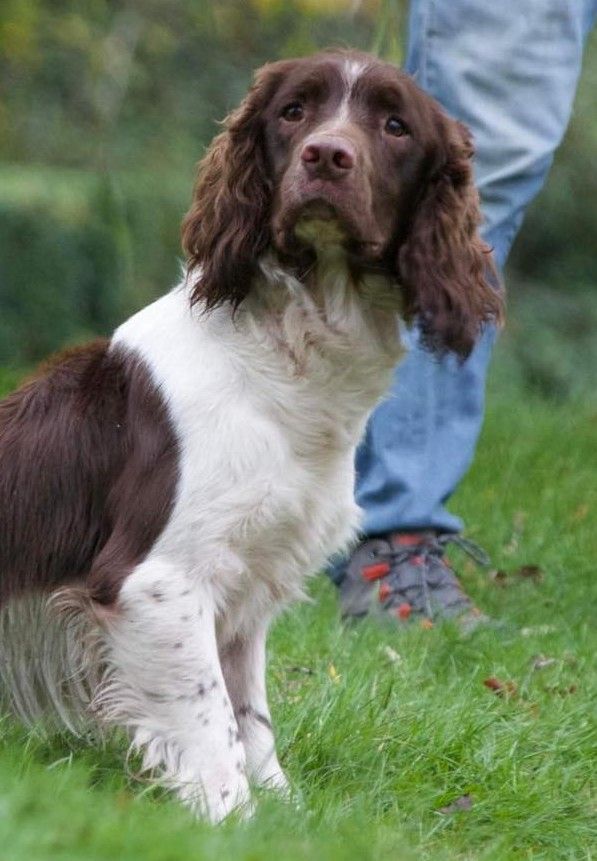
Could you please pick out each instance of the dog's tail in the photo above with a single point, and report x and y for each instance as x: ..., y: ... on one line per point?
x: 50, y: 659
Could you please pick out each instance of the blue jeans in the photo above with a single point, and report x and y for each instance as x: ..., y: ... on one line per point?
x: 509, y: 70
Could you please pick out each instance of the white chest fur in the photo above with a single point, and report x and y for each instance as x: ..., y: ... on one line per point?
x: 268, y: 407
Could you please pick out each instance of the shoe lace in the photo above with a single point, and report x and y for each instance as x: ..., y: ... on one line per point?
x: 435, y: 546
x: 471, y: 548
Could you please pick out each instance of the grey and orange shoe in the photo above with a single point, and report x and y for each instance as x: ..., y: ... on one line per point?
x: 407, y: 576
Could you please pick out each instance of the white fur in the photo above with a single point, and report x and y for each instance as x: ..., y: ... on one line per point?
x: 268, y: 406
x: 351, y: 72
x: 50, y: 661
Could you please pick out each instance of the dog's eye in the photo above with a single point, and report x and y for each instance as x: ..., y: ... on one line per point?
x: 293, y: 112
x: 394, y: 126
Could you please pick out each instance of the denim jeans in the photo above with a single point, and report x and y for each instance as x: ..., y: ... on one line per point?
x: 509, y: 70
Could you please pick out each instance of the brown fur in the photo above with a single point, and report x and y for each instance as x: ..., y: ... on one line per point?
x: 228, y: 226
x: 88, y: 471
x: 445, y: 268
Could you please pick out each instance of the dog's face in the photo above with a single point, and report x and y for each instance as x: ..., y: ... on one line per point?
x: 348, y: 142
x: 343, y: 151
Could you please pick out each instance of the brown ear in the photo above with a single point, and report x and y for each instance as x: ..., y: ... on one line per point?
x: 449, y: 280
x: 228, y: 224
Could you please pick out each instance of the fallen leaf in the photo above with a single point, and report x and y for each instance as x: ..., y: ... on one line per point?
x: 334, y: 674
x: 530, y: 572
x: 540, y: 662
x: 537, y: 630
x: 500, y: 687
x: 392, y: 655
x: 517, y: 529
x: 465, y: 802
x: 499, y: 577
x: 561, y: 690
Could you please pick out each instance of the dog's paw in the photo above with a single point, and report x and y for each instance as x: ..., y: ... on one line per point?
x: 217, y: 796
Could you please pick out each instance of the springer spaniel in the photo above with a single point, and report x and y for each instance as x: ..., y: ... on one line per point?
x: 164, y: 493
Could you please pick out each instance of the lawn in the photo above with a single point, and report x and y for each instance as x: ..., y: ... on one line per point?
x: 379, y: 728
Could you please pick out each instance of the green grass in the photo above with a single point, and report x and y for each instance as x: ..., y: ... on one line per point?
x: 375, y: 741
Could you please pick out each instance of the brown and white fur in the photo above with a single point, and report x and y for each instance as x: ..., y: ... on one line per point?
x: 163, y: 494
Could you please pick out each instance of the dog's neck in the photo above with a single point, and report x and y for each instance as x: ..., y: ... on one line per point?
x: 330, y: 312
x: 319, y: 351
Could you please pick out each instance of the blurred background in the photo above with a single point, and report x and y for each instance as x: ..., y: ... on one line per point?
x: 106, y: 106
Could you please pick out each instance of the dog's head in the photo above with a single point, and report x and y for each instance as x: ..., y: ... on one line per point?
x: 345, y: 151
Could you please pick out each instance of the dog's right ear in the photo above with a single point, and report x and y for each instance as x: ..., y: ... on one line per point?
x: 228, y: 225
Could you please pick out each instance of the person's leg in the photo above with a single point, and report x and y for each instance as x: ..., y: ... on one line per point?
x: 509, y: 71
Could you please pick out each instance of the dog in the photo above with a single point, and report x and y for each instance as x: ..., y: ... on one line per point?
x: 164, y: 493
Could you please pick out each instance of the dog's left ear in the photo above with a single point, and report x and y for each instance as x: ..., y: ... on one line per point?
x: 449, y: 280
x: 228, y: 225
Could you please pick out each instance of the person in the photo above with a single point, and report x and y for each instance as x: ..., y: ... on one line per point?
x: 509, y: 71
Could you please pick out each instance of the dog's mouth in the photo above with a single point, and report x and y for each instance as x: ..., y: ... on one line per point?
x: 326, y: 227
x: 320, y: 225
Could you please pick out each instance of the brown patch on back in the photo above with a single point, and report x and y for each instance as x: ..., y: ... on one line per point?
x: 88, y: 473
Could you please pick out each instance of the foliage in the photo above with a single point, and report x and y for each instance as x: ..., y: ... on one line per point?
x: 380, y: 728
x: 78, y: 252
x: 104, y: 108
x: 140, y: 84
x: 110, y: 105
x: 548, y: 347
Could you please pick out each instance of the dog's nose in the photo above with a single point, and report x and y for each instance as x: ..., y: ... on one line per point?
x: 328, y: 157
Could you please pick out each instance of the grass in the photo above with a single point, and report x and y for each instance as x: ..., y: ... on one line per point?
x: 379, y: 728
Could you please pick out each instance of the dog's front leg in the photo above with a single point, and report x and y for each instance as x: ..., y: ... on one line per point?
x: 243, y: 662
x: 165, y: 684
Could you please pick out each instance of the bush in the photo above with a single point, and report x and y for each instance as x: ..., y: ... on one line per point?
x: 78, y: 252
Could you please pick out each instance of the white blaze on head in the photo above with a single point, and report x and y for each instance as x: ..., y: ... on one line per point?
x: 351, y: 72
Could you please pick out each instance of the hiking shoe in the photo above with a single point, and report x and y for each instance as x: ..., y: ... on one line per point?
x: 406, y: 576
